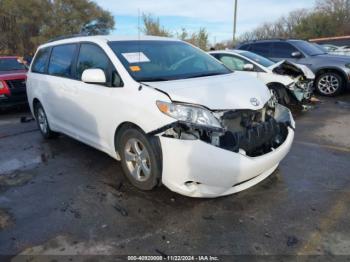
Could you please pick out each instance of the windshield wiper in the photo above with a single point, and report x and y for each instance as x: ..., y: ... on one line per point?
x: 206, y: 74
x: 153, y: 79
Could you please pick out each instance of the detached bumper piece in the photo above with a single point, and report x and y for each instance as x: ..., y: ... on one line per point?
x: 256, y: 140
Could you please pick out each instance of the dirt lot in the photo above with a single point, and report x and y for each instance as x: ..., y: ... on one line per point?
x: 63, y: 197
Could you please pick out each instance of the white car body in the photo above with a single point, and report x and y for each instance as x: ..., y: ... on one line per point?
x: 268, y: 76
x: 92, y: 114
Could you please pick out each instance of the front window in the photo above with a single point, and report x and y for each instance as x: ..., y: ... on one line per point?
x: 165, y: 60
x: 258, y: 59
x: 11, y: 64
x: 283, y: 50
x: 61, y: 60
x: 233, y: 62
x: 309, y: 48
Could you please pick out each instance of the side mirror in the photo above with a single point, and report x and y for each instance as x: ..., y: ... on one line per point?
x: 94, y: 76
x: 248, y: 67
x: 296, y: 54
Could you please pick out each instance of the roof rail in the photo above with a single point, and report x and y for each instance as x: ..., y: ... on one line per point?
x: 272, y: 39
x: 67, y: 37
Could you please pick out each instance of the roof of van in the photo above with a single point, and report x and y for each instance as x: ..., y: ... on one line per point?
x: 106, y: 38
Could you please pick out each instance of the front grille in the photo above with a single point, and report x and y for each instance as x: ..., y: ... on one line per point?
x: 16, y: 84
x: 256, y: 132
x: 256, y: 140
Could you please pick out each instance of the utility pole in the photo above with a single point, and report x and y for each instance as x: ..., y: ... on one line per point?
x: 235, y: 22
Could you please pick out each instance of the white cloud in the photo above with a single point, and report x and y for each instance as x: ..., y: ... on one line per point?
x: 210, y: 10
x: 210, y: 13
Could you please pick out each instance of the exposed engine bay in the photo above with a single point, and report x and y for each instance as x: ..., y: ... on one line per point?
x: 303, y: 77
x: 249, y: 132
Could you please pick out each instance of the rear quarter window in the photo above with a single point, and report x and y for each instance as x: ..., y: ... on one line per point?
x: 40, y: 61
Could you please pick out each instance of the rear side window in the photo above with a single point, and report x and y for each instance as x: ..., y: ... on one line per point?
x: 91, y: 56
x: 262, y: 49
x: 40, y: 61
x: 61, y: 60
x: 283, y: 50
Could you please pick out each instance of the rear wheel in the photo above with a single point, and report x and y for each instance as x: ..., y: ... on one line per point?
x: 43, y: 123
x: 140, y: 158
x: 329, y: 84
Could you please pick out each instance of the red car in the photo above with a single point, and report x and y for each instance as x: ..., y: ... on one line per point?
x: 12, y: 82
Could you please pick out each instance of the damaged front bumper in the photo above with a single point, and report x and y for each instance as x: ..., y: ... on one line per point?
x: 198, y: 165
x: 303, y: 90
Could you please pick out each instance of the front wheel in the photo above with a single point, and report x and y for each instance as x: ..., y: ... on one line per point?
x: 279, y: 95
x: 140, y: 158
x: 329, y: 84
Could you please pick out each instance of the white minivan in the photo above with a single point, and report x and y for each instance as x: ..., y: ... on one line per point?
x: 171, y: 113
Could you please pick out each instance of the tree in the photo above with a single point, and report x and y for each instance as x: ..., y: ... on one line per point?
x: 199, y: 39
x: 37, y: 21
x: 152, y: 26
x: 284, y: 27
x: 183, y: 35
x: 328, y: 18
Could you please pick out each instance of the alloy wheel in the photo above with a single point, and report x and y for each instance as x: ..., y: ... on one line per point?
x: 137, y: 159
x: 42, y: 120
x: 328, y: 84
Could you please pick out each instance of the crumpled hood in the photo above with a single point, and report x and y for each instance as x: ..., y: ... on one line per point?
x: 292, y: 69
x: 222, y: 92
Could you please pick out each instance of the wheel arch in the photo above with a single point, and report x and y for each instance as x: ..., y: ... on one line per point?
x: 278, y: 84
x: 332, y: 70
x: 271, y: 84
x: 119, y: 128
x: 154, y: 142
x: 289, y: 97
x: 35, y: 102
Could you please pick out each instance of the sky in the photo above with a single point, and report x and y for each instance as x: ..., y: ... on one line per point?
x: 215, y: 15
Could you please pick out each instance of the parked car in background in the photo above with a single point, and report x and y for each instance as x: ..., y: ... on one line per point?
x: 332, y: 71
x: 12, y: 82
x: 330, y: 48
x: 288, y: 82
x: 336, y: 50
x: 170, y: 112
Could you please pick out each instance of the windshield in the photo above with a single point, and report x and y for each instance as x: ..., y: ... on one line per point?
x: 258, y: 59
x: 308, y: 48
x: 165, y: 60
x: 10, y: 64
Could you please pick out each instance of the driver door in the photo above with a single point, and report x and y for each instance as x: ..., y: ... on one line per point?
x: 96, y: 101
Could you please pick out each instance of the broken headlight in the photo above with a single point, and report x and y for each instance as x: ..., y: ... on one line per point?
x: 189, y: 113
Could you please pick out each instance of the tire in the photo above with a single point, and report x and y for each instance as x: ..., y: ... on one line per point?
x: 329, y: 84
x: 140, y: 158
x: 280, y: 94
x: 43, y: 123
